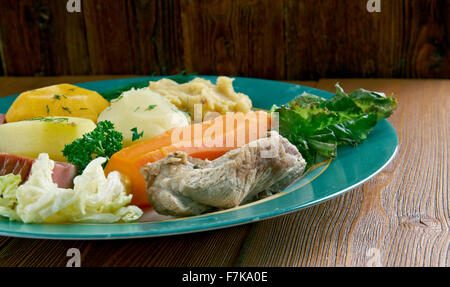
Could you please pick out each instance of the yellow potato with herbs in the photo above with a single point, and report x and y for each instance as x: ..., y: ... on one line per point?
x: 62, y: 100
x: 42, y: 135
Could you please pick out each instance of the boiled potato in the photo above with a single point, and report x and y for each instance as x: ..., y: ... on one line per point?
x: 57, y: 101
x: 142, y: 114
x: 42, y: 135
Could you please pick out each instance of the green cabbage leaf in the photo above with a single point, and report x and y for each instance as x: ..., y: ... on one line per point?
x: 318, y: 126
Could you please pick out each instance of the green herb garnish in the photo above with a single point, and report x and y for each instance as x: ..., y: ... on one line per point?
x: 50, y: 120
x: 136, y: 134
x: 48, y: 110
x: 151, y: 107
x: 67, y: 110
x: 58, y: 97
x: 117, y: 99
x: 103, y: 141
x: 317, y: 127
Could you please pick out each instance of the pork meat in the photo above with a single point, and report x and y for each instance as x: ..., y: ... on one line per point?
x: 180, y: 185
x: 63, y: 173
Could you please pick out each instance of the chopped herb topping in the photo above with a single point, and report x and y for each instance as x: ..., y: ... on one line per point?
x: 117, y: 99
x: 137, y: 109
x: 58, y: 97
x: 48, y: 110
x: 136, y: 134
x: 67, y: 110
x: 53, y: 120
x: 151, y: 107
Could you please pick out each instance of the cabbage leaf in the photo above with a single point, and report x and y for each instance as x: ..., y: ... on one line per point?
x: 8, y: 201
x: 94, y: 198
x: 317, y: 126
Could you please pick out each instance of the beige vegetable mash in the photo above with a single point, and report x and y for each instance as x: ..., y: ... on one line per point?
x: 220, y: 98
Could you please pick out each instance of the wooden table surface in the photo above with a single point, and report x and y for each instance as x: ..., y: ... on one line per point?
x: 401, y: 217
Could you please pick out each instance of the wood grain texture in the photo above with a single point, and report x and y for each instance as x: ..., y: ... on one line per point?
x: 40, y: 37
x: 288, y: 39
x: 111, y: 42
x: 2, y: 62
x: 68, y: 52
x: 341, y: 39
x: 403, y: 213
x: 160, y: 38
x: 234, y: 37
x: 217, y: 248
x: 21, y: 45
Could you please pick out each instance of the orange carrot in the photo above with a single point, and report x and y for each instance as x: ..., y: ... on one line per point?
x: 207, y: 140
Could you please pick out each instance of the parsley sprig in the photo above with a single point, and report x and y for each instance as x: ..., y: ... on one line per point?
x: 103, y: 141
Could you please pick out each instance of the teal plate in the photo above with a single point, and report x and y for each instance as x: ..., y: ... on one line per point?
x: 352, y: 167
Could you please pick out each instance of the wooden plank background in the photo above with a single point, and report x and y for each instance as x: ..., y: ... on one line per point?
x: 284, y: 40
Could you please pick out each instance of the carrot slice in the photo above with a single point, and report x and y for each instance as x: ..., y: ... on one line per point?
x: 207, y: 140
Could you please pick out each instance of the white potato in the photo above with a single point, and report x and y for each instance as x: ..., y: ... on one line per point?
x: 43, y: 135
x: 144, y: 114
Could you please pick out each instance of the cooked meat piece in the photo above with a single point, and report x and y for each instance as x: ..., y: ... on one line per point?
x: 179, y: 185
x: 2, y: 119
x: 63, y: 173
x: 17, y: 165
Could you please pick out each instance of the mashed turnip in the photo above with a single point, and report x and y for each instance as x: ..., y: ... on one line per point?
x: 217, y: 99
